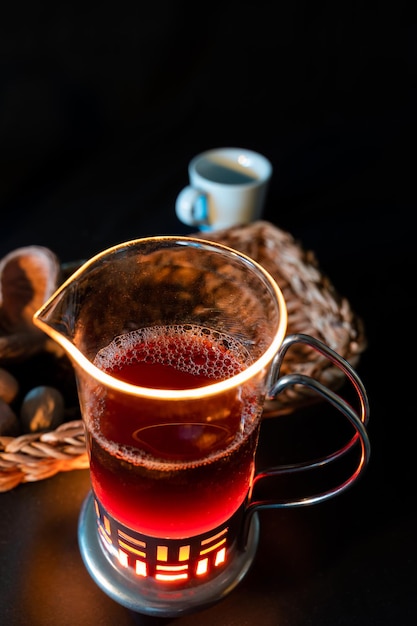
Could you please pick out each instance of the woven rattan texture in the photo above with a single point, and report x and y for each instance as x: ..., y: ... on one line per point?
x: 314, y: 308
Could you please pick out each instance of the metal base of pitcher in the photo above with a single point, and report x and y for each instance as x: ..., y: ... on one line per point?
x: 147, y: 597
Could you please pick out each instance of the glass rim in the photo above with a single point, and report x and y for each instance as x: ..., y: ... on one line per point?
x: 261, y: 363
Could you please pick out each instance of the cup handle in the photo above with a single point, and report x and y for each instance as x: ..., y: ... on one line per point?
x: 277, y: 385
x: 191, y: 207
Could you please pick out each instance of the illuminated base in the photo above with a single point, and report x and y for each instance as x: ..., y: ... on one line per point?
x: 146, y: 596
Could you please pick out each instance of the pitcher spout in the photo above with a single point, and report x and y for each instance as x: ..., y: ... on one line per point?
x: 57, y: 317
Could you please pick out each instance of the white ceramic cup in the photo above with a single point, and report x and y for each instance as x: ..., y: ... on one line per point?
x: 227, y: 188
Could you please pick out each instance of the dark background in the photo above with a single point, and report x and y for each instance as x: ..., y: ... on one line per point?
x: 101, y: 108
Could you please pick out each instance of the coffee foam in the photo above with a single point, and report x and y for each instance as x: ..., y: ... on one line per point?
x: 190, y: 348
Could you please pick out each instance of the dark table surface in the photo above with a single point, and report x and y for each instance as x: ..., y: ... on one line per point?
x: 95, y: 141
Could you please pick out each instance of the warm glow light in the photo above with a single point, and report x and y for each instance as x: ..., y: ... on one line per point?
x: 169, y: 577
x: 214, y: 547
x: 172, y: 568
x: 131, y: 549
x: 202, y: 567
x: 107, y: 525
x: 184, y: 553
x: 162, y: 553
x: 164, y: 562
x: 104, y: 535
x: 107, y: 380
x: 141, y: 569
x: 220, y: 557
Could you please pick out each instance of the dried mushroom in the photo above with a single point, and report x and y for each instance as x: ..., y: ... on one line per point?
x: 28, y: 277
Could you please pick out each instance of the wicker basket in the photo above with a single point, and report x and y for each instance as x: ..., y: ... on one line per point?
x: 314, y: 307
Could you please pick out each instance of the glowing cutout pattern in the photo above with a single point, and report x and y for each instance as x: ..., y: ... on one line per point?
x: 166, y: 561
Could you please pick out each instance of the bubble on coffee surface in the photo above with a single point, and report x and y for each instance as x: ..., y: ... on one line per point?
x: 197, y: 350
x: 219, y: 356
